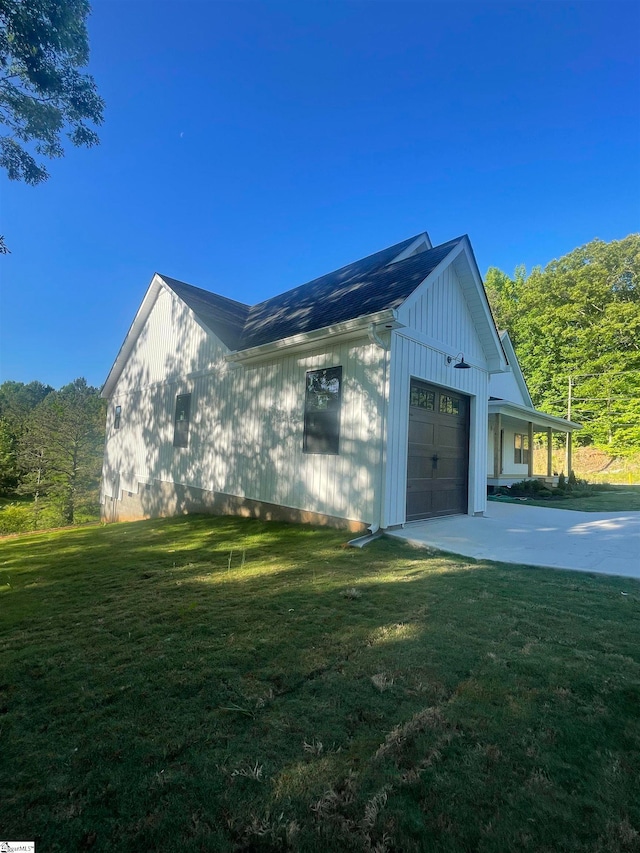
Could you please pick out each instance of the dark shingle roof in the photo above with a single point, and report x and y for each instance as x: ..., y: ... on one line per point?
x: 363, y: 287
x: 225, y: 317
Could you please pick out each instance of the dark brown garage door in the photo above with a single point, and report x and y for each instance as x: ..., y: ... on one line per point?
x: 438, y: 459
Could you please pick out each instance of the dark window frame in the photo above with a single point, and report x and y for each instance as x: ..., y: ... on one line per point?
x: 322, y: 408
x: 181, y: 420
x: 117, y: 417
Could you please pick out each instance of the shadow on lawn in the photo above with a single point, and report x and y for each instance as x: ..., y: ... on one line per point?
x: 163, y: 687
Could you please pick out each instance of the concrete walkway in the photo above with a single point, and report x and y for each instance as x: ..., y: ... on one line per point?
x: 604, y: 542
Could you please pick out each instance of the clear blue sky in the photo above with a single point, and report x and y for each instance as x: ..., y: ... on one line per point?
x: 249, y: 147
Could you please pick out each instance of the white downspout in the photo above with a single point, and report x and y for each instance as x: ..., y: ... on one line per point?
x: 377, y: 340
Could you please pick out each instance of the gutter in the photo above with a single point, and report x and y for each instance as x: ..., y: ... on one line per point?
x: 307, y: 340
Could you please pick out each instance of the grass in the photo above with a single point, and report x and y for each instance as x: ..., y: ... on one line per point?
x: 611, y: 499
x: 218, y: 685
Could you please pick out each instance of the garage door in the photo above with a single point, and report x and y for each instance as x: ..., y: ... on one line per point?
x: 438, y: 458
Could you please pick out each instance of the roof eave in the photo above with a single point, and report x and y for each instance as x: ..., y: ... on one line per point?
x: 307, y: 340
x: 504, y: 407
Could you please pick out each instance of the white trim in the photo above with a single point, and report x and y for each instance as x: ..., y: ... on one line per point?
x: 142, y: 314
x: 158, y: 284
x: 522, y: 413
x: 423, y: 239
x: 307, y: 340
x: 514, y: 364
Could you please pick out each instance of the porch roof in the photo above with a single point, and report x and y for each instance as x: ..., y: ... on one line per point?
x: 537, y: 418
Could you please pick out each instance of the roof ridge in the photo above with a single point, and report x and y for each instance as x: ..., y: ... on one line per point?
x: 403, y: 243
x: 364, y: 286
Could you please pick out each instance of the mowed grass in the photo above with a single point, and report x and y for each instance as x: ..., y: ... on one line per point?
x: 612, y: 499
x: 206, y: 684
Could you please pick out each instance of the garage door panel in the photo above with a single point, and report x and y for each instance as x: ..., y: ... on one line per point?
x: 450, y: 436
x: 421, y: 467
x: 421, y: 432
x: 449, y: 469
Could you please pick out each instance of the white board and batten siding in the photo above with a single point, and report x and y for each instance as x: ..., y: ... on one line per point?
x: 246, y: 423
x: 437, y: 323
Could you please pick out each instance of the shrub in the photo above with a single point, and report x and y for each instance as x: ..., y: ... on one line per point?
x: 16, y: 518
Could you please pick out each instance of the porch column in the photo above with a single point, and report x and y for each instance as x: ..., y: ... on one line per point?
x: 530, y: 470
x: 569, y: 449
x: 549, y: 453
x: 497, y: 455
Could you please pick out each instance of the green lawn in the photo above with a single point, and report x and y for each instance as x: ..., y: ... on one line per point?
x: 614, y: 499
x: 205, y: 684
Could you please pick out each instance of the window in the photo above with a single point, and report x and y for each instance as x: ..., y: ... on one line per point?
x: 322, y: 410
x: 422, y: 398
x: 521, y: 445
x: 449, y: 405
x: 181, y: 424
x: 116, y: 417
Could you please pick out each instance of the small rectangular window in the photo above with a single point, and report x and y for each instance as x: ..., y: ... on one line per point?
x: 181, y: 423
x: 422, y: 398
x: 116, y: 417
x: 323, y: 395
x: 449, y: 405
x: 521, y: 449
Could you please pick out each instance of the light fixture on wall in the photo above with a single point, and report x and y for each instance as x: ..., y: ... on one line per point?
x: 460, y: 364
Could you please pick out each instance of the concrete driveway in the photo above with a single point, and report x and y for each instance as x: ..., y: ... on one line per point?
x: 604, y: 542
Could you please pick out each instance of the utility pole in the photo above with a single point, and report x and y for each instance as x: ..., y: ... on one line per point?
x: 568, y: 447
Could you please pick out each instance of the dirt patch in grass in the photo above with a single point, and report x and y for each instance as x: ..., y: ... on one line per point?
x: 233, y: 685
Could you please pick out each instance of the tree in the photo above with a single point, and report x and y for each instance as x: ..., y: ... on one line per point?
x: 17, y: 401
x: 61, y: 448
x: 578, y: 320
x: 43, y: 93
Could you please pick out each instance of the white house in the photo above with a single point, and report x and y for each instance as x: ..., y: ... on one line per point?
x: 344, y: 401
x: 513, y: 422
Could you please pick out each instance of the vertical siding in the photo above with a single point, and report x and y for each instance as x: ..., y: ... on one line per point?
x: 246, y: 426
x: 438, y: 312
x: 246, y: 429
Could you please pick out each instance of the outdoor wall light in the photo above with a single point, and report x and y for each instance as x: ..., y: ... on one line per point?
x: 459, y: 365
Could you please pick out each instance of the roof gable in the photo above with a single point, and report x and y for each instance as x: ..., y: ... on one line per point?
x: 380, y: 282
x: 224, y: 317
x: 461, y: 260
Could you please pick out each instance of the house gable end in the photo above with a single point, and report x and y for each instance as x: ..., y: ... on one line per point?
x: 450, y: 308
x: 166, y: 341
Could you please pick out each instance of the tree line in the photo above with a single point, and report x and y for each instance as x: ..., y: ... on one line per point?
x: 51, y: 446
x: 575, y: 321
x: 575, y: 326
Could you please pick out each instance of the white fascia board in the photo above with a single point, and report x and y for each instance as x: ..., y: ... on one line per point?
x: 307, y: 340
x: 504, y: 407
x: 514, y: 364
x: 423, y: 238
x: 497, y: 360
x: 148, y: 301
